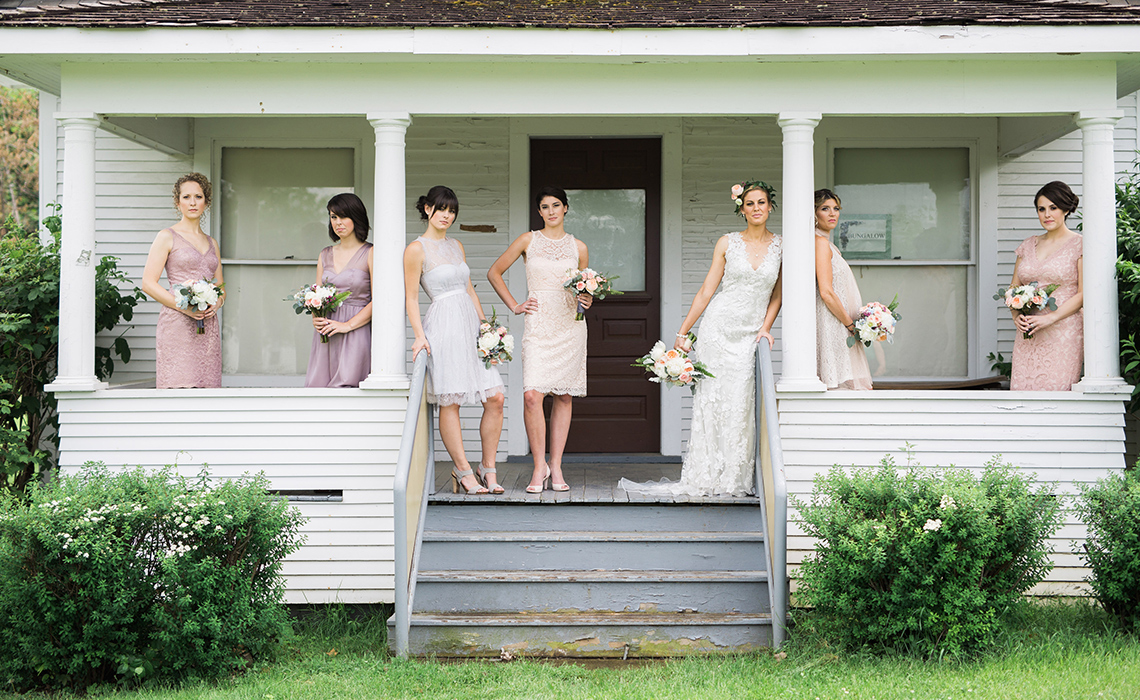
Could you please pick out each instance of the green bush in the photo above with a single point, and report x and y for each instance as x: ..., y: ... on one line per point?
x: 922, y: 561
x: 1128, y: 279
x: 123, y: 577
x: 1111, y: 509
x: 29, y: 344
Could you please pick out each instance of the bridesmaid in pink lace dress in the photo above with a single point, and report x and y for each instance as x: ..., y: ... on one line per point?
x: 183, y: 358
x: 1051, y: 358
x: 553, y: 344
x: 837, y: 304
x: 346, y: 359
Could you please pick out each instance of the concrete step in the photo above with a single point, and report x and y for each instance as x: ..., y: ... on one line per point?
x: 485, y: 591
x: 487, y: 515
x: 587, y: 634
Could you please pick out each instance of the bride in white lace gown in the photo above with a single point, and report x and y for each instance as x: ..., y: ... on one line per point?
x: 746, y: 267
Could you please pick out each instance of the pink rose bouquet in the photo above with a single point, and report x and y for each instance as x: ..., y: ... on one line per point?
x: 671, y: 366
x: 318, y: 300
x: 494, y: 345
x: 1028, y: 298
x: 875, y: 322
x: 591, y: 282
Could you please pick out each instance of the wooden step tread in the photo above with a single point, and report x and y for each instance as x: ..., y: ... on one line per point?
x: 593, y: 576
x: 602, y: 619
x: 588, y: 536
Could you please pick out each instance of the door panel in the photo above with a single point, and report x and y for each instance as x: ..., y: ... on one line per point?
x: 614, y: 187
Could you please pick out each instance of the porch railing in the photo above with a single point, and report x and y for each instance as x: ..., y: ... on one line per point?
x: 415, y: 474
x: 772, y: 490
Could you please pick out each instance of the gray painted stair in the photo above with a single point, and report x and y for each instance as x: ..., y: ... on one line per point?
x: 591, y: 579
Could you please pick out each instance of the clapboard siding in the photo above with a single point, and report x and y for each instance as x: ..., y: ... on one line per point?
x: 342, y: 439
x: 1019, y: 178
x: 471, y: 156
x: 1063, y: 439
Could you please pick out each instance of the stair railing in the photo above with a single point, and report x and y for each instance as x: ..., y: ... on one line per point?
x: 772, y: 490
x: 415, y: 474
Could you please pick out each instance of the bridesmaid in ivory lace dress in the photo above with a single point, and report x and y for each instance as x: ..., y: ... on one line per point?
x: 722, y: 438
x: 346, y: 359
x: 837, y: 304
x: 183, y: 358
x: 553, y: 344
x: 1051, y: 358
x: 448, y: 333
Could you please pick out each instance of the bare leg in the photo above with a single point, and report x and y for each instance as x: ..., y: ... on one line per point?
x: 559, y: 430
x: 490, y: 429
x: 536, y: 434
x: 452, y: 434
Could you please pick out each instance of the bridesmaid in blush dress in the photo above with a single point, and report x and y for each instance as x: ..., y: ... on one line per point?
x: 183, y: 357
x: 554, y: 344
x: 837, y: 304
x: 448, y: 333
x: 346, y: 359
x: 1052, y: 357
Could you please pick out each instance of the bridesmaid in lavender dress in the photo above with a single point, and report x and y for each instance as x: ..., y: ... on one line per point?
x: 346, y: 359
x: 183, y: 358
x: 1051, y: 358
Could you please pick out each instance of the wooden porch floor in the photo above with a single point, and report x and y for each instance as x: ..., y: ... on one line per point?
x: 589, y: 483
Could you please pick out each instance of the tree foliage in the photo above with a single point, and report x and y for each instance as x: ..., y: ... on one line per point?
x: 1128, y: 278
x: 19, y: 155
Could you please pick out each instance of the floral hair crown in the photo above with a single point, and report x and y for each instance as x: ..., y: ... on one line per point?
x: 740, y: 188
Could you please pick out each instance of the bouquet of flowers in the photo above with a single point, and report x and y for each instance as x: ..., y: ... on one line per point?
x: 495, y: 345
x: 591, y: 282
x: 1028, y: 297
x: 318, y: 300
x: 875, y: 322
x: 200, y: 294
x: 671, y: 366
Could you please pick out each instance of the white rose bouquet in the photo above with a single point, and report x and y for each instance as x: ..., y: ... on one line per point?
x: 875, y: 322
x: 591, y: 282
x: 198, y: 294
x: 318, y: 300
x: 671, y: 366
x: 1028, y: 298
x: 495, y: 345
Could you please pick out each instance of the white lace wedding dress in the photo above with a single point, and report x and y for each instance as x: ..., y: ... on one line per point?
x: 721, y: 454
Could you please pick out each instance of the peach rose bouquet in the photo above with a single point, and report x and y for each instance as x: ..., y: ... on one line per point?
x: 591, y: 282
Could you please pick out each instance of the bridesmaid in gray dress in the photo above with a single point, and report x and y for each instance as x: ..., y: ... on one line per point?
x: 183, y: 358
x: 448, y: 332
x: 346, y: 359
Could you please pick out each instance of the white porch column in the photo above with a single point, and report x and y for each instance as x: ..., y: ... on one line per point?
x: 797, y: 203
x: 389, y: 343
x: 76, y: 370
x: 1098, y: 274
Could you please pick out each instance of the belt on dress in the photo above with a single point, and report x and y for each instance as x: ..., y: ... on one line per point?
x: 453, y: 292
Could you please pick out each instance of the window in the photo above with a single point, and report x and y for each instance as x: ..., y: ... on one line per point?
x: 273, y: 226
x: 907, y: 229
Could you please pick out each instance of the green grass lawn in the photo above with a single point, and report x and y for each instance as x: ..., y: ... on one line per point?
x: 1056, y: 652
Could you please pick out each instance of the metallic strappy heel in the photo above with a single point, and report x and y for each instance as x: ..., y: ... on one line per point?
x: 481, y: 476
x: 457, y: 482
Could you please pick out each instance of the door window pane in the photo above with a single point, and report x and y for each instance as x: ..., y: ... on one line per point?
x: 273, y: 211
x: 612, y: 225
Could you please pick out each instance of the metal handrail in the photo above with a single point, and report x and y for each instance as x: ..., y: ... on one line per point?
x: 772, y: 490
x: 415, y: 468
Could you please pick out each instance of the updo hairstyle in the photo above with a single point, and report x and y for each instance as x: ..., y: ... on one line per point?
x: 1060, y: 194
x: 438, y: 198
x: 202, y: 181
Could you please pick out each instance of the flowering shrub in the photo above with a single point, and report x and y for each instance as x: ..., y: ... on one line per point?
x: 1111, y: 509
x: 922, y: 561
x: 120, y: 577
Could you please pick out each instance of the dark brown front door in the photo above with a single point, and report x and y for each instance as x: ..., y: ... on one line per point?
x: 614, y: 187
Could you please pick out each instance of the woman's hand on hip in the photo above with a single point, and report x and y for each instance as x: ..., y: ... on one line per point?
x: 527, y: 307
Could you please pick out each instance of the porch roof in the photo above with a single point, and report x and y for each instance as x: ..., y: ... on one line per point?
x: 603, y: 14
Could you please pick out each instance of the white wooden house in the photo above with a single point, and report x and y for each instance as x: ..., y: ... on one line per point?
x: 936, y: 120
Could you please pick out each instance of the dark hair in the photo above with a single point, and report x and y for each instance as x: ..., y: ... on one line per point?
x: 825, y: 194
x: 201, y: 180
x: 1060, y: 194
x: 549, y: 191
x: 348, y: 206
x: 438, y: 198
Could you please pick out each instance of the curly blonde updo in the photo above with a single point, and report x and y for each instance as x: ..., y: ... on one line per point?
x: 202, y: 181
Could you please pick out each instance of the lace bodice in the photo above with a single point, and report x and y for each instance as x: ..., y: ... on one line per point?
x: 548, y: 260
x: 742, y: 299
x: 444, y: 269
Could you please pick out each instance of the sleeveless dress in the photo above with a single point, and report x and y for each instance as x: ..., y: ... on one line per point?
x: 1052, y: 359
x: 184, y: 359
x: 553, y: 344
x: 346, y: 360
x: 455, y: 374
x: 840, y: 367
x: 722, y: 438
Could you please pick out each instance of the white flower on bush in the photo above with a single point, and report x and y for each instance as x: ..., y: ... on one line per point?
x: 947, y: 503
x: 932, y: 525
